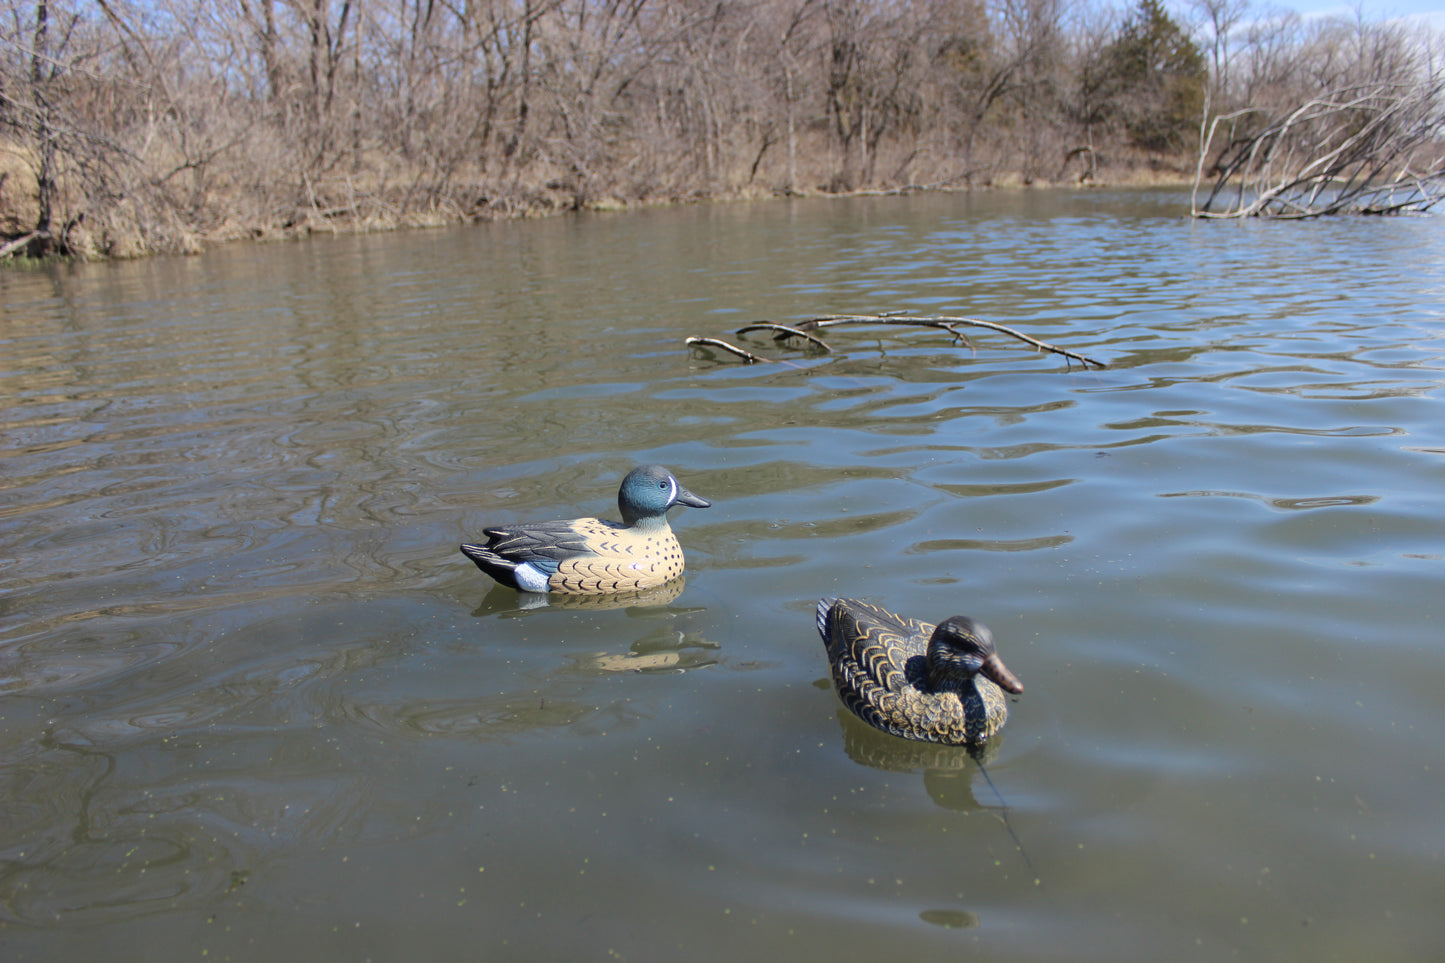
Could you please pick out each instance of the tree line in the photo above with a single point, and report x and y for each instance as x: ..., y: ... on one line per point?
x: 132, y: 126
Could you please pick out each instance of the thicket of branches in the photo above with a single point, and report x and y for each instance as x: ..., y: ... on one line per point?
x: 1342, y: 116
x: 129, y: 126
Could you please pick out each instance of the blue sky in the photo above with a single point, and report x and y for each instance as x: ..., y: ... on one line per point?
x: 1433, y: 9
x: 1390, y: 7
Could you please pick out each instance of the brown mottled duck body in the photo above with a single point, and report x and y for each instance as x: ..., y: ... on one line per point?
x: 936, y: 684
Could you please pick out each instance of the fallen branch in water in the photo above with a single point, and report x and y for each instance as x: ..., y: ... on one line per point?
x: 747, y: 356
x: 948, y: 324
x: 1369, y: 148
x: 784, y: 332
x: 10, y: 247
x: 944, y: 323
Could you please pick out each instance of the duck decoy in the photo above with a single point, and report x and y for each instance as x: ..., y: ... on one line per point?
x: 935, y: 684
x: 590, y: 556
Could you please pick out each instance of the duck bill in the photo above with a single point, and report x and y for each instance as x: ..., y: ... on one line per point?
x: 994, y: 669
x: 685, y: 497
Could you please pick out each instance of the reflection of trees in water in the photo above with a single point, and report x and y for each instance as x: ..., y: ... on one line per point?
x: 103, y: 838
x: 172, y: 798
x: 176, y: 798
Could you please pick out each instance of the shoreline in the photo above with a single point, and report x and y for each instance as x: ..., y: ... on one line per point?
x: 549, y: 203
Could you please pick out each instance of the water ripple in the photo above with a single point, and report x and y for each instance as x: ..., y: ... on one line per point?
x: 243, y: 663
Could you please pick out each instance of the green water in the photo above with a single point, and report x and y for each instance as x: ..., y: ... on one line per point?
x: 254, y: 704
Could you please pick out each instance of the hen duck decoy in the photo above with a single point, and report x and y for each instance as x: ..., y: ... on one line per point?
x: 590, y: 556
x: 935, y: 684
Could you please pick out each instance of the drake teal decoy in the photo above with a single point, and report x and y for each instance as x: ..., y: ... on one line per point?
x: 942, y: 684
x: 590, y: 556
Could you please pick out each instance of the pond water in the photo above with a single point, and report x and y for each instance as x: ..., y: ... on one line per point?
x: 253, y: 701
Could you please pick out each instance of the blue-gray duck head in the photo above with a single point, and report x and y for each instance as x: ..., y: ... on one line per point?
x: 963, y: 647
x: 649, y: 491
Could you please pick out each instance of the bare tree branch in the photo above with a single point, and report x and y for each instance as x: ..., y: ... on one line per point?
x: 11, y: 247
x: 784, y: 332
x: 747, y: 356
x: 949, y: 324
x: 1365, y: 140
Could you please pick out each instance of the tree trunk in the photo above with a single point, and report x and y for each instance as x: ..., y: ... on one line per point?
x: 40, y: 75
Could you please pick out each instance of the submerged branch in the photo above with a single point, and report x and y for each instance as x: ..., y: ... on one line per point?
x: 784, y: 332
x: 746, y: 355
x: 890, y: 317
x: 948, y: 324
x: 943, y: 323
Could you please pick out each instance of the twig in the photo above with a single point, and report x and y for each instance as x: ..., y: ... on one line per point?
x: 891, y: 317
x: 747, y: 356
x: 947, y: 324
x: 784, y: 332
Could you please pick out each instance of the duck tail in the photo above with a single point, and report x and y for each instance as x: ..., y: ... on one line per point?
x: 825, y: 607
x: 499, y: 568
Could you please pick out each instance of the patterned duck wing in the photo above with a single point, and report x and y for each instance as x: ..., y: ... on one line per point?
x: 869, y: 649
x: 537, y: 542
x: 879, y: 669
x: 525, y: 557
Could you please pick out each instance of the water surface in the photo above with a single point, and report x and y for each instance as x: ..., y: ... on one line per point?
x: 252, y: 700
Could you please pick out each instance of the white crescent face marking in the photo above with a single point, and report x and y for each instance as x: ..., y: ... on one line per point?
x: 672, y: 496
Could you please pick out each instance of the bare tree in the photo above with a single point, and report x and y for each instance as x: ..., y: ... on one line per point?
x: 1371, y: 149
x: 129, y: 126
x: 30, y: 110
x: 1350, y: 123
x: 1219, y: 20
